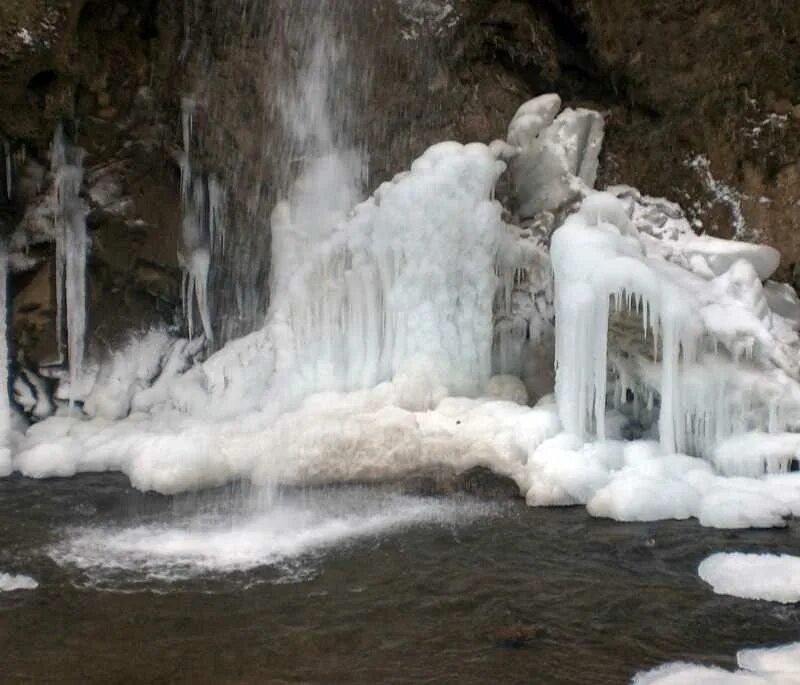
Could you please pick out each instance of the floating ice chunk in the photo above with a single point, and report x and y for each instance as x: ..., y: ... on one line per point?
x: 692, y: 674
x: 9, y: 583
x: 765, y: 666
x: 771, y: 577
x: 784, y: 659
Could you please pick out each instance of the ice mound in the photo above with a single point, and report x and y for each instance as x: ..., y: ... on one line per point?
x: 771, y: 577
x: 10, y: 583
x: 769, y: 666
x: 720, y: 363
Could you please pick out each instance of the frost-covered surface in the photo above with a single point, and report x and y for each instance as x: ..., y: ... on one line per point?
x: 10, y: 582
x: 427, y: 17
x: 768, y: 666
x: 772, y: 577
x: 723, y: 194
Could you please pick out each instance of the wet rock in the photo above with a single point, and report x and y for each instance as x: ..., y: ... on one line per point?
x: 478, y: 482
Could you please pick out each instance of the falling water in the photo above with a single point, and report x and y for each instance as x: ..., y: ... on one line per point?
x: 303, y: 104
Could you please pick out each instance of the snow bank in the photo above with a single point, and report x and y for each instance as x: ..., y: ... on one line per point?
x: 771, y: 577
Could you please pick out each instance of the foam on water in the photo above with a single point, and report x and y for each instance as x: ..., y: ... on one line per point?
x: 220, y: 534
x: 9, y: 583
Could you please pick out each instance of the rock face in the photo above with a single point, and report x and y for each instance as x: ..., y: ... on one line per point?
x: 701, y: 100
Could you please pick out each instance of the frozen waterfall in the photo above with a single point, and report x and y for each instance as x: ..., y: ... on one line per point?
x: 409, y: 332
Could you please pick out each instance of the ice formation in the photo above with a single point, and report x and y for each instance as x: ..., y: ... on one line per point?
x: 768, y: 666
x: 202, y: 231
x: 5, y: 408
x: 772, y: 577
x: 8, y: 167
x: 412, y: 331
x: 72, y: 245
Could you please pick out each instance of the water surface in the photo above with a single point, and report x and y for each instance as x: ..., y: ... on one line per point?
x: 356, y: 585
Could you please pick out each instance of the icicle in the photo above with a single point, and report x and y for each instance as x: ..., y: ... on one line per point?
x: 71, y: 249
x: 216, y: 214
x: 5, y: 410
x: 76, y: 247
x: 8, y: 166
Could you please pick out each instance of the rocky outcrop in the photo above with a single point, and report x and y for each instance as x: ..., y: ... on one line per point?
x: 102, y: 69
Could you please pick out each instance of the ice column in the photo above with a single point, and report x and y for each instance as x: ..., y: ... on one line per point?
x: 5, y: 410
x: 203, y: 230
x: 72, y: 244
x: 8, y: 169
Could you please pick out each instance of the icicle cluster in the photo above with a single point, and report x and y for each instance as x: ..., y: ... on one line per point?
x: 203, y: 231
x: 716, y: 366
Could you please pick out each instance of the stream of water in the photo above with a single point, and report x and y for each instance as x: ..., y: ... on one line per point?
x: 356, y: 585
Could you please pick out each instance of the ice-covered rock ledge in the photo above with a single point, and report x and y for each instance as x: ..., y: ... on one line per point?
x: 409, y: 334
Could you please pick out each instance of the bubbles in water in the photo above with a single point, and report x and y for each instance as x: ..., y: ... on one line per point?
x: 276, y: 536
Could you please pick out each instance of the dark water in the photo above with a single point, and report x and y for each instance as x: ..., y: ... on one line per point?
x: 435, y: 591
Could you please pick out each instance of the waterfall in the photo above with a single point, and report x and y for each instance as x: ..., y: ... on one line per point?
x: 305, y: 102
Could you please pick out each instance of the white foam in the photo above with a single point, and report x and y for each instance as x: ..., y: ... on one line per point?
x: 9, y: 583
x: 771, y: 577
x: 265, y: 528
